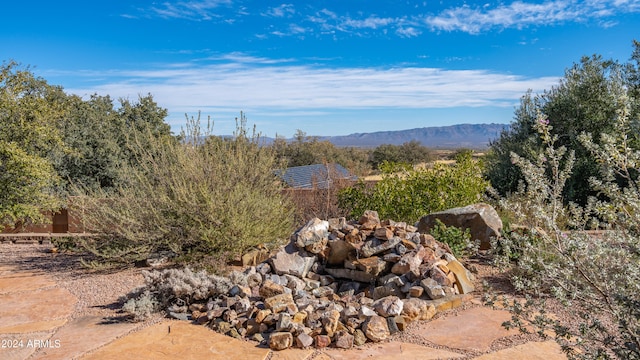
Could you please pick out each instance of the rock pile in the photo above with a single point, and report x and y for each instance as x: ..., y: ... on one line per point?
x: 339, y: 283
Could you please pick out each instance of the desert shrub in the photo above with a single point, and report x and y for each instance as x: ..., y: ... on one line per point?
x: 596, y: 278
x: 176, y: 287
x: 459, y: 240
x: 406, y: 194
x: 197, y: 197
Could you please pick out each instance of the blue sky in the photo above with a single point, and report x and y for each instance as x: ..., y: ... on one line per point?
x: 324, y: 67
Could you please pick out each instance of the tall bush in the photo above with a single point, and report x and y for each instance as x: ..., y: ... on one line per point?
x: 406, y: 194
x: 200, y: 196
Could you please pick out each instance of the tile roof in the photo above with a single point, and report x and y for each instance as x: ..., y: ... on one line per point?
x: 313, y: 176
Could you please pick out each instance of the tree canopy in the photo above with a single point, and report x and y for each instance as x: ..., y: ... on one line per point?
x: 584, y: 101
x: 51, y: 142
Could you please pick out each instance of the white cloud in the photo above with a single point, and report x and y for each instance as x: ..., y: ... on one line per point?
x: 284, y: 10
x: 521, y: 14
x: 194, y: 10
x: 292, y: 29
x: 517, y: 14
x: 269, y: 88
x: 408, y: 32
x: 372, y: 22
x: 471, y: 19
x: 240, y: 57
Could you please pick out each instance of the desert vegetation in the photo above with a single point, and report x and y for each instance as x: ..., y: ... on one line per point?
x: 197, y: 198
x: 569, y: 163
x: 585, y: 181
x: 407, y: 193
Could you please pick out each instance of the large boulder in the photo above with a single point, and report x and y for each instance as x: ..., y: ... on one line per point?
x: 482, y: 220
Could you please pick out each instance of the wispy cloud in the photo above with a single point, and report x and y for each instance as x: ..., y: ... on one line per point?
x: 330, y: 22
x: 284, y: 10
x: 244, y: 58
x: 521, y: 14
x: 405, y: 23
x: 195, y: 9
x: 473, y: 20
x: 292, y: 29
x: 408, y: 32
x: 371, y: 22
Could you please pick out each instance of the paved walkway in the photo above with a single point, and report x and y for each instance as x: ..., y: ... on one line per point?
x: 36, y: 323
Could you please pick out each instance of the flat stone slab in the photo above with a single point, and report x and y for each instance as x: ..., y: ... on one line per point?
x: 291, y: 354
x: 21, y: 346
x: 14, y: 281
x: 82, y: 335
x: 547, y: 350
x: 472, y: 329
x: 39, y: 310
x: 34, y: 326
x: 183, y: 341
x: 391, y: 351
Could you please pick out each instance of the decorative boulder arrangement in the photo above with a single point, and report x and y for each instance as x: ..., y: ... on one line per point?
x: 337, y: 283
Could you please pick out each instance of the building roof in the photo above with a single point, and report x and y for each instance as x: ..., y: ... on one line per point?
x: 314, y: 176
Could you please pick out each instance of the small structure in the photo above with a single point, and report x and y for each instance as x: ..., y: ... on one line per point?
x: 317, y: 176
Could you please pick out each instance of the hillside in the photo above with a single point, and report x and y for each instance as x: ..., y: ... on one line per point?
x: 475, y: 136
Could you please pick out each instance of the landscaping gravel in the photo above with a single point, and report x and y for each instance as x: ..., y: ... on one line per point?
x: 98, y: 292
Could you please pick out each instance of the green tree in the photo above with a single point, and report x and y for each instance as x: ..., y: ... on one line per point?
x: 26, y: 186
x: 518, y: 139
x: 300, y: 152
x: 30, y: 142
x: 94, y: 135
x: 583, y: 101
x: 411, y: 152
x: 144, y: 115
x: 308, y: 150
x: 85, y: 144
x: 385, y: 153
x: 30, y: 111
x: 98, y: 138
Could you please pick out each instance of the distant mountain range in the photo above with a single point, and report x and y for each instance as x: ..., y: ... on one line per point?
x: 473, y: 136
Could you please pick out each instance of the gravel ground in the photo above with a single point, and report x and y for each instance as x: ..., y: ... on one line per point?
x: 98, y: 292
